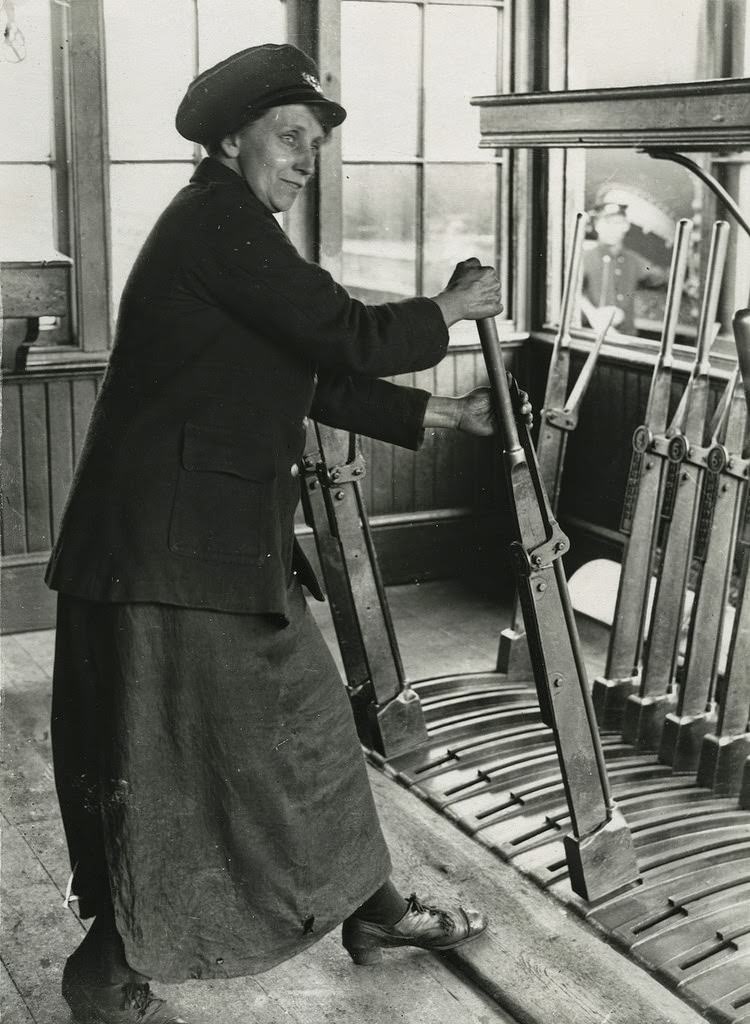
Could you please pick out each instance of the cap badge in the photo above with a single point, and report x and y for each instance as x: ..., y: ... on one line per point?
x: 312, y: 80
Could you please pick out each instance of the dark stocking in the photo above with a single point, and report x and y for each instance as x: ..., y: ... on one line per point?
x: 103, y: 952
x: 384, y: 907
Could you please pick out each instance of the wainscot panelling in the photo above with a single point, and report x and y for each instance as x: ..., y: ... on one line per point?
x: 45, y: 416
x: 44, y: 421
x: 598, y: 453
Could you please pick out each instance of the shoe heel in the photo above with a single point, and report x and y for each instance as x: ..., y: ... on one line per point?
x: 367, y: 957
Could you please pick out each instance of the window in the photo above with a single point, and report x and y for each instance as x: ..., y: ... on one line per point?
x: 418, y: 194
x: 687, y: 41
x: 148, y: 161
x: 92, y: 185
x: 33, y: 176
x: 609, y: 46
x: 27, y: 151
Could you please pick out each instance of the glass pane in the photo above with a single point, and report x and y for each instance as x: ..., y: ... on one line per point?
x: 459, y: 219
x: 138, y: 194
x: 379, y: 249
x: 379, y: 79
x: 738, y: 183
x: 460, y: 62
x: 26, y: 81
x: 609, y: 44
x: 226, y: 26
x: 150, y: 61
x: 634, y: 204
x: 26, y: 211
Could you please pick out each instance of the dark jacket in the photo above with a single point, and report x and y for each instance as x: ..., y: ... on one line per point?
x: 226, y: 341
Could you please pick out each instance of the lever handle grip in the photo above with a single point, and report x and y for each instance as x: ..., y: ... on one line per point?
x: 716, y: 258
x: 676, y: 282
x: 570, y: 292
x: 493, y: 357
x: 741, y: 325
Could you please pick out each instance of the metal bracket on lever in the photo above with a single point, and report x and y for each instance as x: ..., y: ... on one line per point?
x: 387, y: 712
x: 566, y: 418
x: 543, y: 555
x: 347, y: 472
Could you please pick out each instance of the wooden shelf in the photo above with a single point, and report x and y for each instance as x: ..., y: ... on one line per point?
x: 33, y: 287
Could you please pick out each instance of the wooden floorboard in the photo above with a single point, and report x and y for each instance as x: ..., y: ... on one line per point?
x: 13, y: 1009
x: 538, y: 963
x: 38, y: 931
x: 322, y: 985
x: 18, y: 666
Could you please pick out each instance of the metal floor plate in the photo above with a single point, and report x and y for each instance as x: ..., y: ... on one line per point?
x: 490, y: 765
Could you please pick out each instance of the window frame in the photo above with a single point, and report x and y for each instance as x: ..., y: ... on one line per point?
x: 80, y: 187
x: 509, y: 169
x: 552, y: 156
x: 82, y: 166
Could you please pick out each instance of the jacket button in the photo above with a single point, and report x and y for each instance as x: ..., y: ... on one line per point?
x: 294, y: 469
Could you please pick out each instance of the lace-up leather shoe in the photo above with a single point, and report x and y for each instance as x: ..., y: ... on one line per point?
x: 131, y: 1002
x: 422, y: 925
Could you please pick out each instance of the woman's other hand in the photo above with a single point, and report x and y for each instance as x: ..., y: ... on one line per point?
x: 478, y: 416
x: 473, y: 292
x: 473, y: 412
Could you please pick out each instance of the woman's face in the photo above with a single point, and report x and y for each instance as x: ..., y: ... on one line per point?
x: 277, y: 154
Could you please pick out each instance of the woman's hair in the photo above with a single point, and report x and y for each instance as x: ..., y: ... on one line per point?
x: 214, y: 148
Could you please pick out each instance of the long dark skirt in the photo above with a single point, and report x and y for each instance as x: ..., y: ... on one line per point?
x: 211, y: 784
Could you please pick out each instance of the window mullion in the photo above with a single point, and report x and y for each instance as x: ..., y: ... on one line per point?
x: 504, y: 173
x: 197, y: 148
x: 330, y: 185
x: 60, y: 97
x: 420, y: 175
x: 89, y: 173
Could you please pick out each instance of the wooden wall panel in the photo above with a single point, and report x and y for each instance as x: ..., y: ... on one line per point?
x: 84, y: 390
x: 36, y: 441
x: 59, y: 405
x: 44, y: 423
x: 445, y: 376
x: 403, y: 465
x: 424, y: 474
x: 466, y: 451
x: 45, y: 417
x: 598, y: 454
x: 11, y: 478
x: 380, y: 476
x: 450, y: 470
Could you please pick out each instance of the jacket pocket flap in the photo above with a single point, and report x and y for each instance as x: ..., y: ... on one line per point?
x: 213, y: 450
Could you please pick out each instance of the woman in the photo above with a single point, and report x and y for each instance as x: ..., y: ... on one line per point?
x: 212, y: 788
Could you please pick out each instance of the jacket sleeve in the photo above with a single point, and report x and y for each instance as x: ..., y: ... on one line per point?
x: 253, y: 271
x: 376, y: 408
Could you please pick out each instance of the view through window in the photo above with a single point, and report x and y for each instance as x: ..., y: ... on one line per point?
x: 634, y: 200
x: 418, y: 194
x: 149, y: 161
